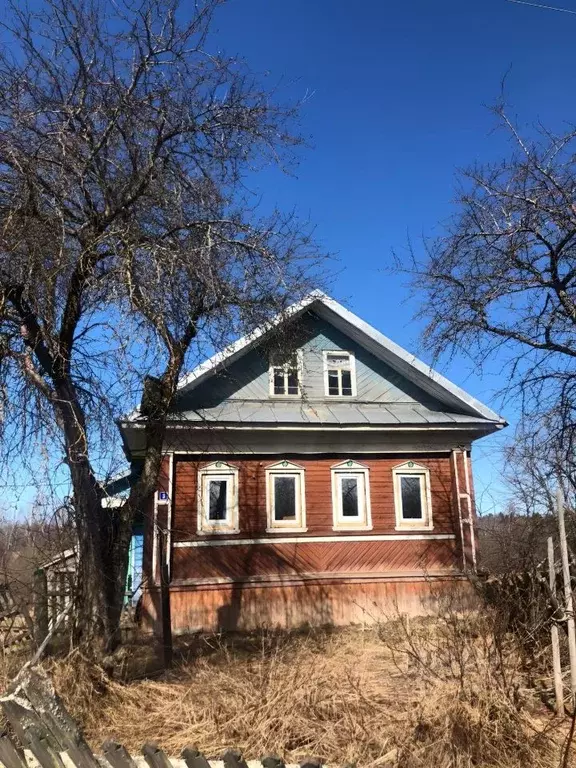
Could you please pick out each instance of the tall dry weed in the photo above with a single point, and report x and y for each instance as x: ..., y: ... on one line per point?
x: 443, y: 693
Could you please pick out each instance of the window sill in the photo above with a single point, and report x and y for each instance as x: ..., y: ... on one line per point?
x: 339, y: 397
x: 284, y: 397
x: 414, y: 528
x: 352, y: 528
x: 286, y: 530
x: 218, y: 531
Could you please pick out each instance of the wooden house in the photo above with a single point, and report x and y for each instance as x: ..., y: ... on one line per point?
x: 315, y: 472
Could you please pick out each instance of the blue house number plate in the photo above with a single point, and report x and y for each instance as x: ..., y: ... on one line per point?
x: 162, y: 496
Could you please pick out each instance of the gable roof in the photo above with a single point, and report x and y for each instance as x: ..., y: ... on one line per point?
x: 364, y: 334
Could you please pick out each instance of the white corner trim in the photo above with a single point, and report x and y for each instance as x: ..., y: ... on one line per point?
x: 317, y: 539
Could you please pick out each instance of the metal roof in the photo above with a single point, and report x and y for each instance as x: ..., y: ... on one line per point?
x: 304, y: 413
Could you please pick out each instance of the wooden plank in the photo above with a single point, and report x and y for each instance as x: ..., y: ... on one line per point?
x: 42, y: 749
x: 155, y: 757
x: 272, y: 761
x: 10, y: 756
x: 233, y: 759
x: 569, y: 606
x: 311, y: 762
x: 65, y: 732
x: 22, y: 716
x: 193, y: 758
x: 117, y: 755
x: 40, y: 599
x: 556, y: 664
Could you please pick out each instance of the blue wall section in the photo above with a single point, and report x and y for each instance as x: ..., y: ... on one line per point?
x: 248, y: 377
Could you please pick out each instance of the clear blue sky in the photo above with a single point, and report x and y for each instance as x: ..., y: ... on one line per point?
x: 398, y: 97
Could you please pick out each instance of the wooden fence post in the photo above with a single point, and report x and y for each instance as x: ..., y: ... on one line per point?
x: 167, y: 648
x: 40, y: 607
x: 567, y: 592
x: 556, y: 665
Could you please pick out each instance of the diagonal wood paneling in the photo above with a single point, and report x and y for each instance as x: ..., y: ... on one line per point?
x: 240, y: 562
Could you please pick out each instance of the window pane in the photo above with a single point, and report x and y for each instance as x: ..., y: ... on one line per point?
x: 292, y: 382
x: 284, y: 498
x: 217, y: 499
x: 339, y: 361
x: 333, y: 383
x: 349, y: 497
x: 411, y: 498
x: 346, y: 383
x: 278, y: 381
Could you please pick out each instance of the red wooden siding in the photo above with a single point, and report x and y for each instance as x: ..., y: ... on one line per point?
x: 246, y: 585
x: 341, y: 557
x: 246, y: 607
x: 319, y: 520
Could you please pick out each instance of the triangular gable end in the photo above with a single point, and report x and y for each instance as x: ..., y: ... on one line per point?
x: 383, y: 348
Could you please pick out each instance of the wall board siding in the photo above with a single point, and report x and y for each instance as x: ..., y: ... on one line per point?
x: 247, y: 378
x: 248, y: 607
x: 319, y: 519
x: 305, y: 558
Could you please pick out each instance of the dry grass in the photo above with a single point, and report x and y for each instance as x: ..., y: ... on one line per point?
x: 376, y: 697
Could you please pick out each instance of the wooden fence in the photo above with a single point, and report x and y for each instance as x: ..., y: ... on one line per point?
x: 42, y: 729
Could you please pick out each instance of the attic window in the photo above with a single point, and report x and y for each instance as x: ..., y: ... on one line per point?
x: 339, y: 374
x: 285, y: 374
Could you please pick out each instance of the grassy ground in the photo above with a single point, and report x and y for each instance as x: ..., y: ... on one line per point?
x: 440, y: 693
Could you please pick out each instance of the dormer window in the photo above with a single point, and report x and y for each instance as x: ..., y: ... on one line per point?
x: 285, y: 374
x: 339, y: 374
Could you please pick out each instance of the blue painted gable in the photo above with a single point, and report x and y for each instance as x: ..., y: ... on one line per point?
x: 247, y: 379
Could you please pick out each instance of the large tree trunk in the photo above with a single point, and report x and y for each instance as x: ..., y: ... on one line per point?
x: 103, y: 538
x: 104, y: 533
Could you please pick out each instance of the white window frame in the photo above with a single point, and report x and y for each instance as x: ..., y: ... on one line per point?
x: 299, y: 367
x: 348, y: 469
x: 286, y: 468
x: 326, y: 353
x: 411, y: 469
x: 218, y: 470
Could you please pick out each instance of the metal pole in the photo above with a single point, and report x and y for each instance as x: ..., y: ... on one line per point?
x: 556, y: 666
x: 567, y: 592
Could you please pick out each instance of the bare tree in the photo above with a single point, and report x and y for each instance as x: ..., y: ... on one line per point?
x: 127, y: 240
x: 502, y: 279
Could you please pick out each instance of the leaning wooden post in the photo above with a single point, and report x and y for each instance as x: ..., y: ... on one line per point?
x: 567, y: 592
x: 556, y: 665
x: 165, y: 605
x: 40, y: 599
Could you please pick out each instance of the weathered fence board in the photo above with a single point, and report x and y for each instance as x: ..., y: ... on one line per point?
x: 10, y: 755
x: 43, y: 728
